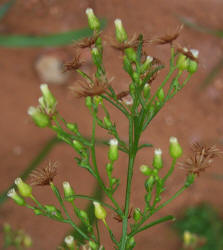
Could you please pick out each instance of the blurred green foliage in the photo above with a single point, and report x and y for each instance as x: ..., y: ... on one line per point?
x: 203, y: 221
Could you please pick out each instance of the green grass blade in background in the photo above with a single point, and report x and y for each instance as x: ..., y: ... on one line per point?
x: 4, y: 8
x: 52, y: 40
x: 34, y: 164
x: 200, y: 28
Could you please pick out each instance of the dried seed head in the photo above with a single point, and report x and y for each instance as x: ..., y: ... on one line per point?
x: 84, y: 88
x: 130, y: 43
x: 167, y: 38
x: 201, y: 158
x: 87, y: 42
x: 45, y: 176
x: 76, y: 63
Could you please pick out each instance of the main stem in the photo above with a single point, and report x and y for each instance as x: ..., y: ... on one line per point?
x: 132, y: 154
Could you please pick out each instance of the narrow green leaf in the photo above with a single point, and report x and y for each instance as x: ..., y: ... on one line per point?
x: 52, y: 40
x: 4, y: 8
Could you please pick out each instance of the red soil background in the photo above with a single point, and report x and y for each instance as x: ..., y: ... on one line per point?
x: 193, y: 115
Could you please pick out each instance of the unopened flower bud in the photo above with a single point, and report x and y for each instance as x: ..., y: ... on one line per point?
x: 130, y: 243
x: 190, y: 180
x: 135, y: 77
x: 99, y: 211
x: 48, y: 97
x: 40, y: 119
x: 68, y: 191
x: 93, y: 21
x: 73, y: 127
x: 192, y: 67
x: 146, y: 90
x: 131, y: 54
x: 97, y: 100
x: 53, y: 211
x: 78, y: 146
x: 120, y: 32
x: 24, y: 189
x: 161, y: 95
x: 137, y: 215
x: 69, y: 241
x: 148, y: 197
x: 113, y: 150
x: 96, y: 57
x: 84, y: 217
x: 18, y: 199
x: 109, y: 168
x: 149, y: 183
x: 37, y: 211
x: 88, y: 102
x: 144, y: 169
x: 182, y: 61
x: 175, y: 148
x: 189, y: 239
x: 157, y: 159
x: 127, y: 65
x: 146, y: 64
x: 107, y: 122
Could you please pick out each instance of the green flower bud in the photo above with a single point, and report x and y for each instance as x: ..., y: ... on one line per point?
x: 96, y: 57
x: 93, y: 21
x: 149, y: 183
x: 113, y: 150
x: 73, y: 128
x: 131, y: 54
x: 24, y: 189
x: 127, y: 65
x: 135, y: 77
x: 48, y: 98
x: 84, y: 217
x: 93, y: 245
x: 97, y: 100
x: 114, y: 181
x: 68, y: 191
x: 157, y: 159
x: 132, y: 89
x: 107, y: 122
x: 161, y: 95
x: 40, y: 119
x: 69, y: 241
x: 18, y: 199
x: 189, y: 239
x: 37, y: 211
x: 98, y: 45
x: 137, y: 215
x: 78, y: 146
x: 130, y: 243
x: 190, y: 180
x: 175, y: 149
x: 145, y: 66
x: 144, y: 169
x: 148, y: 197
x: 192, y: 66
x: 109, y: 168
x: 53, y: 211
x: 99, y: 211
x: 146, y: 90
x: 120, y: 32
x: 182, y: 61
x: 27, y: 241
x: 88, y: 102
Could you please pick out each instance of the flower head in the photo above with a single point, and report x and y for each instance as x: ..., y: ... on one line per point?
x: 45, y: 176
x: 201, y: 158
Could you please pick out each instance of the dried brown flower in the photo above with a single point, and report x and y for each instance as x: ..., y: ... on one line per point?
x: 131, y: 43
x: 87, y: 42
x: 87, y: 88
x: 202, y: 157
x: 74, y: 64
x: 167, y: 38
x: 118, y: 217
x: 45, y: 176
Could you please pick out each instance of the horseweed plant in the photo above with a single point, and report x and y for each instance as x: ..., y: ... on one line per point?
x: 139, y: 104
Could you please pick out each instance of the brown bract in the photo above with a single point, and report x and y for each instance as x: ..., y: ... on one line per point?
x: 76, y: 63
x: 87, y: 88
x: 167, y: 38
x: 45, y: 176
x: 201, y: 158
x: 131, y: 43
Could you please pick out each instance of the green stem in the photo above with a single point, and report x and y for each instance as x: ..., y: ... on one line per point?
x: 132, y: 153
x: 170, y: 170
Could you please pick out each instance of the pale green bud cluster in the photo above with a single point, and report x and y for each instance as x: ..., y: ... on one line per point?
x: 185, y: 63
x: 40, y: 119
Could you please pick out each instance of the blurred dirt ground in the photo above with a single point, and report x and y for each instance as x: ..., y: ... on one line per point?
x: 193, y: 115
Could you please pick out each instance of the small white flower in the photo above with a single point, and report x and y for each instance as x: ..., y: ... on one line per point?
x: 113, y: 142
x: 31, y: 110
x: 89, y: 11
x: 173, y: 139
x: 194, y: 52
x: 69, y: 240
x: 11, y: 193
x: 157, y: 151
x: 18, y: 181
x: 149, y: 59
x: 118, y: 22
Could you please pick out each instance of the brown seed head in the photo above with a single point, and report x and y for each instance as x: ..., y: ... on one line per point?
x: 167, y: 38
x: 86, y: 42
x: 131, y: 43
x: 45, y: 176
x: 76, y: 63
x: 201, y: 158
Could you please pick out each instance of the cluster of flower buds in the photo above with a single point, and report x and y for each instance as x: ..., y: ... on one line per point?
x: 47, y: 107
